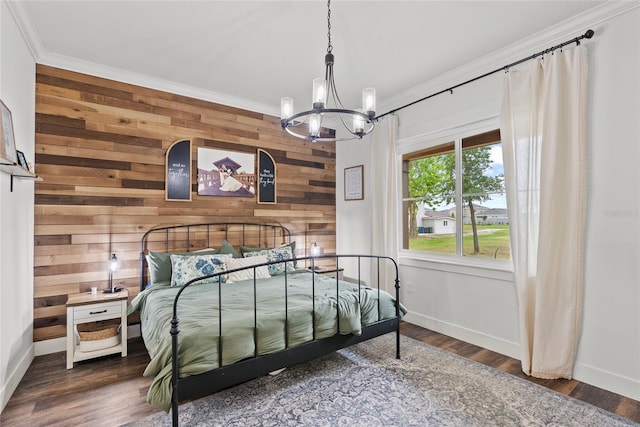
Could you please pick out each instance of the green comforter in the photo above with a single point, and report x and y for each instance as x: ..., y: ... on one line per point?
x: 198, y: 315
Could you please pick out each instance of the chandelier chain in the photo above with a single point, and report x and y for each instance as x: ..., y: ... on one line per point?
x: 329, y: 46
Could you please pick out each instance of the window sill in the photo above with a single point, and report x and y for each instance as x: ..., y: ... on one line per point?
x: 496, y: 269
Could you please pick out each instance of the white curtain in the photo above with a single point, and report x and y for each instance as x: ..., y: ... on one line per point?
x: 384, y: 199
x: 543, y: 136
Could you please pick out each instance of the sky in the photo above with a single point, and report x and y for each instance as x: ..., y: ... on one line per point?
x: 497, y: 168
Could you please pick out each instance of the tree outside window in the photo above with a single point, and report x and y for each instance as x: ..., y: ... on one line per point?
x: 462, y: 179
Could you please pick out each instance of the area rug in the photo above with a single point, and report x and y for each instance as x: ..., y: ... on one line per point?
x: 365, y: 385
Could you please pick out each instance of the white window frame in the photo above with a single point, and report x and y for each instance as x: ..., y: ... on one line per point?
x: 434, y: 139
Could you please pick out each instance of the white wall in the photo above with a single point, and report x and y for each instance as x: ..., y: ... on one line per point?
x: 353, y: 222
x: 478, y: 305
x: 17, y: 90
x: 609, y: 351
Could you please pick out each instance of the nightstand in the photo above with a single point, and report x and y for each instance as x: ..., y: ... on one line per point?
x: 86, y: 308
x: 330, y: 271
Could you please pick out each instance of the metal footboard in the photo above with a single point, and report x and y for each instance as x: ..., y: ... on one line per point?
x: 226, y: 376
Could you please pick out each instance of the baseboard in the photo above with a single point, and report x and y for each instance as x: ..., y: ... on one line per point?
x: 54, y: 345
x: 611, y: 381
x: 499, y: 345
x: 57, y: 345
x: 15, y: 377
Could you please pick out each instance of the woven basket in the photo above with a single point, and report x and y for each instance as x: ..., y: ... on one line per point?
x: 94, y: 332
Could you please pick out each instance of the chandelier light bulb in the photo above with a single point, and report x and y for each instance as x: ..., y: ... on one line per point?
x: 319, y: 93
x: 314, y: 126
x: 369, y: 101
x: 358, y: 124
x: 286, y: 107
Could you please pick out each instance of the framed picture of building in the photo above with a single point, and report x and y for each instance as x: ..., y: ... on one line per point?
x: 226, y: 173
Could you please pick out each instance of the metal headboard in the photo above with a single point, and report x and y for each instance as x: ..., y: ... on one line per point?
x: 189, y: 237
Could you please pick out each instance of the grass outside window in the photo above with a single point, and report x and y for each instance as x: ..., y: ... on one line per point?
x: 493, y: 238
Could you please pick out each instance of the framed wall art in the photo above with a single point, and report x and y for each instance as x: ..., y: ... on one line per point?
x: 354, y: 183
x: 266, y: 177
x: 178, y: 171
x: 8, y: 145
x: 226, y: 173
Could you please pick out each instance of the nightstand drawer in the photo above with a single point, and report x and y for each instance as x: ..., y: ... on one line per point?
x: 94, y: 312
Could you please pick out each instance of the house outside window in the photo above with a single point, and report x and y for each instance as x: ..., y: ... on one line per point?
x: 454, y: 200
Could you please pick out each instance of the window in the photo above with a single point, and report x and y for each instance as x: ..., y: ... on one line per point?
x: 454, y: 198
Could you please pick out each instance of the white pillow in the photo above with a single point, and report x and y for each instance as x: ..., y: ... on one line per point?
x: 262, y: 272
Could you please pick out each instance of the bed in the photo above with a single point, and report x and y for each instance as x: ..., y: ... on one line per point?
x: 223, y: 303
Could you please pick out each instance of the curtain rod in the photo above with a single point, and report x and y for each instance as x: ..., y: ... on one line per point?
x: 576, y: 40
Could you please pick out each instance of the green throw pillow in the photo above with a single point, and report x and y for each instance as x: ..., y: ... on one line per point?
x: 228, y: 249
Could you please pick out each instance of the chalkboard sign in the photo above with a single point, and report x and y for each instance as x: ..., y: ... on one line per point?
x: 266, y: 178
x: 178, y: 179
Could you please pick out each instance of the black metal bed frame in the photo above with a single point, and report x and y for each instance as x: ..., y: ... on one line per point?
x: 223, y: 377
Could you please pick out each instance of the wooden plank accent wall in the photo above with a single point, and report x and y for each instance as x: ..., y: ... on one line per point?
x: 100, y: 149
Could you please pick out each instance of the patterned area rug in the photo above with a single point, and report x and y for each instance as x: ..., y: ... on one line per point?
x: 365, y: 385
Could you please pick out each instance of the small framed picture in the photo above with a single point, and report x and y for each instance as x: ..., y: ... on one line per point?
x: 22, y: 161
x: 354, y: 183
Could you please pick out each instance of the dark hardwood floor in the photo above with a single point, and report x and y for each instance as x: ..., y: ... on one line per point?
x: 111, y: 391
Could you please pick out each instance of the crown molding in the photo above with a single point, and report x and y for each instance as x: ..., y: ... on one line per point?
x: 42, y: 56
x: 568, y: 29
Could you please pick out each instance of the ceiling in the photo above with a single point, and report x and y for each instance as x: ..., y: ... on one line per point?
x: 251, y: 53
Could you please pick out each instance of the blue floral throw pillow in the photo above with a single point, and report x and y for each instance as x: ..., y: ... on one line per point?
x: 282, y: 253
x: 188, y: 267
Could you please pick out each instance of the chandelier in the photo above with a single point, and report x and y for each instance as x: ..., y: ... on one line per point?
x: 320, y: 123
